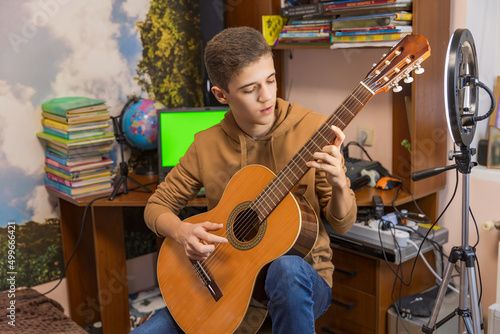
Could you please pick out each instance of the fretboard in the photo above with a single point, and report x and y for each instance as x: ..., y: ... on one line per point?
x: 295, y: 169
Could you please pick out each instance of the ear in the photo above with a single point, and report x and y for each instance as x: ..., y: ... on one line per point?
x: 220, y: 95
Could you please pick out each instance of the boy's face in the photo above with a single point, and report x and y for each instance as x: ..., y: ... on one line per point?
x: 252, y: 97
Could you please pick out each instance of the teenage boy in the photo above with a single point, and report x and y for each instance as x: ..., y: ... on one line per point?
x: 259, y: 129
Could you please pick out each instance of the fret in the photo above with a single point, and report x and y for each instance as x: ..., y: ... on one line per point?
x: 350, y: 112
x: 339, y: 120
x: 291, y: 170
x: 300, y: 169
x: 357, y: 100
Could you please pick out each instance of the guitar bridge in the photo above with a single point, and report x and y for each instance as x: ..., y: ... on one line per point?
x: 205, y: 278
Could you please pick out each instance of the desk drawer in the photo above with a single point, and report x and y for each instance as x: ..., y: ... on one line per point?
x: 354, y: 271
x: 354, y: 306
x: 339, y: 326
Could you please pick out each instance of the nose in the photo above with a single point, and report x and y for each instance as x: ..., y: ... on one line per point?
x: 266, y: 93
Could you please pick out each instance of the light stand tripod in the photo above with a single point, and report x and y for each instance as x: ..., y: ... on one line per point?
x: 124, y: 177
x: 461, y: 86
x: 472, y: 317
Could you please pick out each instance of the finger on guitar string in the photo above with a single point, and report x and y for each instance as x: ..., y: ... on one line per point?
x: 198, y: 242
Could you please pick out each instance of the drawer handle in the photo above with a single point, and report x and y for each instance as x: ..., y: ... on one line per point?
x: 352, y: 273
x: 349, y: 306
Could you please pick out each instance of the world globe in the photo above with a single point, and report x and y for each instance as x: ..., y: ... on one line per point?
x: 139, y: 124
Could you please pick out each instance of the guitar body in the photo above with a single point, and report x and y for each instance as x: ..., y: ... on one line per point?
x: 234, y: 267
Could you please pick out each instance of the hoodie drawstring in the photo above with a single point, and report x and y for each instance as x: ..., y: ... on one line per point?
x: 243, y: 147
x: 275, y: 165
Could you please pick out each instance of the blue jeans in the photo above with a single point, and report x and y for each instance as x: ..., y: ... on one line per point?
x: 297, y: 296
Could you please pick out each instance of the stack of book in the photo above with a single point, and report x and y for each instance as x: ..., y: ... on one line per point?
x: 369, y: 23
x: 76, y: 130
x: 353, y: 23
x: 306, y: 32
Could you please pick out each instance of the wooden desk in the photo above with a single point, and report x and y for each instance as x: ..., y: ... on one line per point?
x: 96, y: 276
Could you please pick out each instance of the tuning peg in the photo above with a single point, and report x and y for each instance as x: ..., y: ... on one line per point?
x: 397, y: 88
x: 408, y: 79
x: 419, y: 70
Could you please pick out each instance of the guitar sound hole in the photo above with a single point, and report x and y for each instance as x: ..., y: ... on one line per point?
x: 246, y: 225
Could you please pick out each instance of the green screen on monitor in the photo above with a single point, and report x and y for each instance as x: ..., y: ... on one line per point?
x: 176, y: 130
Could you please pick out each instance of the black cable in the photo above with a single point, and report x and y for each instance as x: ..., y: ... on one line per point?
x: 345, y: 150
x: 63, y: 274
x: 492, y: 106
x: 424, y: 238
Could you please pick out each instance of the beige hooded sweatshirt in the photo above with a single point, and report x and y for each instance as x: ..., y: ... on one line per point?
x: 220, y: 151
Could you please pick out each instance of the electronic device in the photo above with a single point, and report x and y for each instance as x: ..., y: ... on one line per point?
x: 378, y: 206
x: 366, y: 239
x: 176, y: 130
x: 355, y: 171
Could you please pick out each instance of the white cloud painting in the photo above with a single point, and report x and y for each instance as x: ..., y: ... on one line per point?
x: 55, y: 48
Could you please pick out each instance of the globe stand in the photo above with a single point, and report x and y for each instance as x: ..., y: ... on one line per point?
x: 150, y: 168
x: 124, y: 177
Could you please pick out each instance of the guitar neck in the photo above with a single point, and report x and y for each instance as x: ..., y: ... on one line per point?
x: 295, y: 169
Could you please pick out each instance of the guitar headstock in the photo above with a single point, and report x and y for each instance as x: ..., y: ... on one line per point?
x: 398, y: 64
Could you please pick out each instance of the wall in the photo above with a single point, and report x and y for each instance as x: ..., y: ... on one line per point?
x: 322, y: 79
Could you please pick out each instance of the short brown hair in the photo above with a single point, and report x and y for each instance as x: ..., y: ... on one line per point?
x: 230, y: 51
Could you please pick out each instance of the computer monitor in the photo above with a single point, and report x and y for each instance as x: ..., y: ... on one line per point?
x: 176, y: 130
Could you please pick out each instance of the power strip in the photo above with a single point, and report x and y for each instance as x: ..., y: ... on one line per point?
x: 388, y: 236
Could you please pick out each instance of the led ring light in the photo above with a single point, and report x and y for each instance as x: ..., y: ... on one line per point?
x: 461, y: 88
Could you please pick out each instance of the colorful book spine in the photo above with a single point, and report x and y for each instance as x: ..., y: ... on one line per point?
x: 79, y: 151
x: 368, y: 38
x: 353, y: 4
x: 75, y: 161
x: 106, y: 137
x: 63, y: 106
x: 78, y: 191
x: 304, y: 34
x: 315, y: 9
x: 77, y: 168
x: 371, y: 32
x: 73, y: 135
x: 80, y: 183
x: 75, y: 176
x: 93, y: 117
x: 313, y: 22
x: 93, y: 193
x: 76, y: 127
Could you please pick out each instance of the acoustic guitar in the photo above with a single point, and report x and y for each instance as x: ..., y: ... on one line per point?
x: 264, y: 218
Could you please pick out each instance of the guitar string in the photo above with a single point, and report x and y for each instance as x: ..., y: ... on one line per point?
x: 247, y: 219
x: 244, y: 221
x: 312, y: 141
